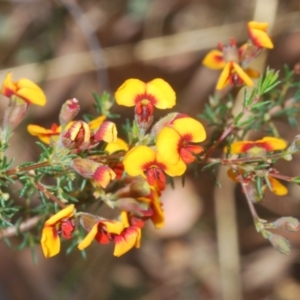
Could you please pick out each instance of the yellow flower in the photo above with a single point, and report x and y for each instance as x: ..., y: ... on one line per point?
x: 175, y: 141
x: 144, y: 96
x: 44, y: 134
x: 156, y: 92
x: 145, y: 161
x: 24, y: 89
x: 60, y: 222
x: 257, y: 148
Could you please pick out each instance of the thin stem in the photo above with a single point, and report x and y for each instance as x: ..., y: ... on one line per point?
x: 248, y: 197
x: 49, y: 195
x: 225, y: 133
x: 27, y: 168
x: 23, y: 226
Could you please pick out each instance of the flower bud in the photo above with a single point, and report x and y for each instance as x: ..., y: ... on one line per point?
x: 287, y: 223
x: 107, y: 132
x: 279, y: 243
x: 68, y: 111
x: 88, y: 168
x: 77, y: 136
x: 15, y: 112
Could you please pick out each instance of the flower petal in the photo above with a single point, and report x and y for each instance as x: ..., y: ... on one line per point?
x: 277, y: 187
x: 128, y: 91
x: 272, y: 143
x: 242, y: 74
x: 158, y: 217
x: 214, y: 60
x: 172, y: 169
x: 103, y: 175
x: 252, y: 73
x: 8, y: 86
x: 190, y: 127
x: 258, y: 25
x: 130, y: 237
x: 50, y: 241
x: 117, y: 145
x: 167, y: 145
x: 107, y: 132
x: 65, y: 213
x: 95, y: 123
x: 136, y: 158
x: 30, y: 92
x: 163, y: 93
x: 89, y: 237
x: 260, y: 38
x: 113, y: 226
x: 223, y: 79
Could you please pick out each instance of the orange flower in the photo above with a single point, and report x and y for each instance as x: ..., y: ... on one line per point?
x: 145, y: 161
x: 175, y: 142
x: 257, y: 148
x: 59, y: 223
x: 258, y: 34
x: 24, y: 89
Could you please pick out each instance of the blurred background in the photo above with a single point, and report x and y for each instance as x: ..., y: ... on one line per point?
x: 72, y: 48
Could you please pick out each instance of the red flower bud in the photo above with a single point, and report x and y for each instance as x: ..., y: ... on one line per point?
x: 68, y: 111
x: 77, y: 136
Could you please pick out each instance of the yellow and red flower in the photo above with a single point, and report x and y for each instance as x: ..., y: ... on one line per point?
x: 104, y: 231
x: 60, y: 223
x: 175, y: 141
x: 258, y: 34
x: 275, y: 186
x: 145, y: 161
x: 23, y: 89
x: 44, y: 134
x: 229, y: 59
x: 257, y: 148
x: 144, y: 96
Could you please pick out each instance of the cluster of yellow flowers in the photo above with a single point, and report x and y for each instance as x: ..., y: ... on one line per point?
x: 142, y: 166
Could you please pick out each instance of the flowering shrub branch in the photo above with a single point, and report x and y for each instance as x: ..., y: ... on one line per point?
x: 83, y: 162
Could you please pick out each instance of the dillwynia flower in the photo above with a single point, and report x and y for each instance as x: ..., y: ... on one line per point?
x: 23, y: 89
x: 145, y: 161
x: 234, y: 61
x: 257, y: 148
x: 60, y: 223
x: 144, y: 96
x: 103, y: 231
x: 274, y: 185
x: 21, y: 94
x: 47, y: 134
x: 176, y: 140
